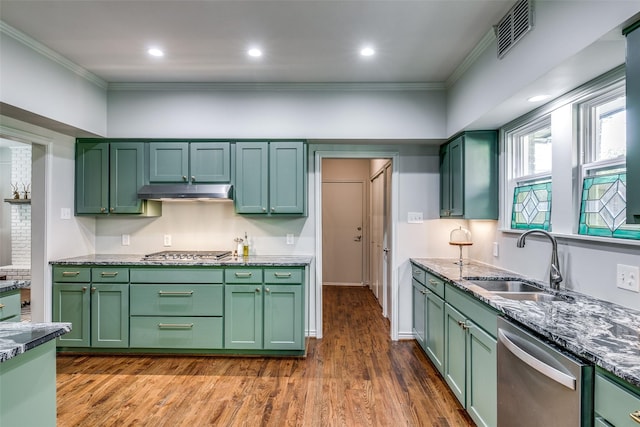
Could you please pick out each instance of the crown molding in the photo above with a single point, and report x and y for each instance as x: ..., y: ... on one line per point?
x: 280, y: 87
x: 10, y: 133
x: 51, y: 54
x: 475, y: 53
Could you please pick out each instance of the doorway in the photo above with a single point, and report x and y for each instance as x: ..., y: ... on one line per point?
x: 335, y: 173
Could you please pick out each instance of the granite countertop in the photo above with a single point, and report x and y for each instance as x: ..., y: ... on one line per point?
x: 10, y: 285
x: 19, y: 337
x: 600, y: 332
x: 137, y: 260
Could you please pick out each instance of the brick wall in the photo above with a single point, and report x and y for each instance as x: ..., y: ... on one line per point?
x: 21, y: 214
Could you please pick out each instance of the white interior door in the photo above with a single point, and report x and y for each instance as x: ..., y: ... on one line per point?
x: 387, y: 239
x: 377, y: 235
x: 342, y: 233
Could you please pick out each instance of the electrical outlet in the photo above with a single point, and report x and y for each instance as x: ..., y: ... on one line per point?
x: 495, y: 249
x: 289, y: 239
x: 414, y: 218
x: 125, y: 240
x: 167, y: 239
x: 65, y: 213
x: 627, y: 277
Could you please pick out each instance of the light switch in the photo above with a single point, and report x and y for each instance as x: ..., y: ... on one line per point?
x: 289, y: 239
x: 167, y: 239
x: 125, y: 240
x: 414, y: 218
x: 627, y: 277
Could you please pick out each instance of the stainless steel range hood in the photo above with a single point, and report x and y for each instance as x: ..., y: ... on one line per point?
x: 186, y: 192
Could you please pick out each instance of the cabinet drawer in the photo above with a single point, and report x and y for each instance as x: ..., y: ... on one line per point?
x: 284, y: 276
x: 243, y: 275
x: 418, y: 273
x: 70, y: 273
x: 10, y: 306
x: 176, y: 300
x: 176, y: 332
x: 109, y: 275
x: 176, y: 275
x: 434, y: 284
x: 614, y: 403
x: 481, y: 314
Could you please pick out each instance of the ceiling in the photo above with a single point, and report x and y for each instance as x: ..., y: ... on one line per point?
x: 302, y: 40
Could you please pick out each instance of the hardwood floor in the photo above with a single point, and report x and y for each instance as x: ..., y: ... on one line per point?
x: 354, y: 376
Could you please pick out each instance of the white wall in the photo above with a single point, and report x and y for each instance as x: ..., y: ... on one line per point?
x: 309, y: 114
x: 40, y: 85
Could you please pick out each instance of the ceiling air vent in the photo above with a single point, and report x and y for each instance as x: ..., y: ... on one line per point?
x: 514, y: 25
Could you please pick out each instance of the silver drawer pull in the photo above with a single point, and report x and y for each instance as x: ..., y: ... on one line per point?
x: 635, y: 416
x: 1, y: 305
x: 109, y: 274
x: 175, y: 325
x: 433, y: 282
x: 175, y: 293
x: 70, y: 273
x: 282, y: 275
x: 243, y: 274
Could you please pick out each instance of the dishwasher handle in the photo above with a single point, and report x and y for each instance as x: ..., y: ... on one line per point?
x: 546, y: 370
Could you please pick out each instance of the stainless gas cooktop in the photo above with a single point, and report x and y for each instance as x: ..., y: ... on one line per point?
x: 186, y: 255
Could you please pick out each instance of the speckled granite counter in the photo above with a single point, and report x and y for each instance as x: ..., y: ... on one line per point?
x: 133, y: 259
x: 10, y: 285
x: 604, y: 333
x: 17, y: 338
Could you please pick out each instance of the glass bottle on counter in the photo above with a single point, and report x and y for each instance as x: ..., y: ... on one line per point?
x: 245, y: 246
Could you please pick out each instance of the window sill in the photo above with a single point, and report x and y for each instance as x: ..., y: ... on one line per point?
x: 580, y: 237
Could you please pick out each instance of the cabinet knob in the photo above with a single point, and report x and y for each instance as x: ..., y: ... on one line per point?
x: 1, y: 305
x: 264, y: 209
x: 84, y: 289
x: 193, y: 179
x: 267, y: 290
x: 93, y: 289
x: 273, y: 209
x: 103, y: 210
x: 184, y: 177
x: 258, y: 290
x: 112, y: 209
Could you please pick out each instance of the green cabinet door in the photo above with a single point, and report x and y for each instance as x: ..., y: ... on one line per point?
x: 283, y: 317
x: 286, y: 178
x: 252, y: 177
x: 482, y: 387
x: 445, y: 181
x: 126, y: 177
x: 71, y: 303
x: 92, y: 178
x: 168, y: 162
x: 419, y: 311
x: 243, y: 317
x: 110, y: 315
x: 209, y: 162
x: 455, y: 365
x: 456, y: 189
x: 434, y: 345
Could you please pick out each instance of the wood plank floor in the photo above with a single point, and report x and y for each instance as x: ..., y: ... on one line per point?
x: 354, y: 376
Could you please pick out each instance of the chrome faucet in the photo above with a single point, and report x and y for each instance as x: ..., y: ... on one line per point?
x: 554, y: 271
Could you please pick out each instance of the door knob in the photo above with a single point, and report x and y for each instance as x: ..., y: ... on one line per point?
x: 357, y: 238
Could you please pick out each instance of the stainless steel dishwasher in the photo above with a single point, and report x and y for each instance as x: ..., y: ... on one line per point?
x: 538, y: 385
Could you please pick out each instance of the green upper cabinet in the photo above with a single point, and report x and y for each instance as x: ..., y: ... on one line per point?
x: 108, y: 176
x: 632, y: 84
x: 270, y: 178
x: 469, y: 176
x: 195, y: 162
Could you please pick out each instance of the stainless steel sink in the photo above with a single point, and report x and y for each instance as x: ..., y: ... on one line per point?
x: 530, y: 296
x: 502, y: 285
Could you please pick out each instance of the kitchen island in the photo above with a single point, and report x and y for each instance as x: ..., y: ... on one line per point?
x: 10, y: 299
x: 230, y: 305
x: 28, y: 373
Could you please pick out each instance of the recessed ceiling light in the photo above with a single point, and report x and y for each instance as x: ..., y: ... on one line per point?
x: 367, y: 51
x: 154, y: 51
x: 538, y: 98
x: 254, y: 52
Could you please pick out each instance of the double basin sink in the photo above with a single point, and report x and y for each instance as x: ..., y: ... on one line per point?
x: 515, y: 289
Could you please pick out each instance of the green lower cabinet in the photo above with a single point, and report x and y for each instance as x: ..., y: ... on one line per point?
x: 283, y: 317
x: 99, y: 314
x: 419, y: 313
x: 243, y: 317
x: 615, y: 401
x: 10, y: 306
x: 175, y: 332
x: 471, y: 366
x: 434, y: 316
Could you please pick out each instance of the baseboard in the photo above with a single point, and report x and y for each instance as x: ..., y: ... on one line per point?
x: 405, y: 336
x: 342, y: 284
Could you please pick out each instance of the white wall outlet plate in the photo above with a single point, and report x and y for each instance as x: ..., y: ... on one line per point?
x: 414, y: 218
x: 495, y: 249
x: 289, y: 239
x: 167, y: 239
x: 125, y: 240
x: 65, y: 213
x: 627, y: 277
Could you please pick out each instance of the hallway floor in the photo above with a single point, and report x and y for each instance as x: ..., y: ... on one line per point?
x: 354, y: 376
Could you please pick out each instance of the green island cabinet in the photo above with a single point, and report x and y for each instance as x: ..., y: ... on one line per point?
x: 28, y: 388
x: 470, y: 354
x: 96, y: 302
x: 108, y: 176
x: 616, y: 402
x: 177, y: 308
x: 10, y: 306
x: 194, y: 162
x: 264, y: 309
x: 469, y: 176
x: 270, y: 177
x: 428, y: 315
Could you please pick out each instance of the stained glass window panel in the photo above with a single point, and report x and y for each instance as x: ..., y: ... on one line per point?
x: 531, y: 206
x: 603, y: 209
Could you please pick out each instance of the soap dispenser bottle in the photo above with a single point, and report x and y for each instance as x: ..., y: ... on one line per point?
x: 245, y: 247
